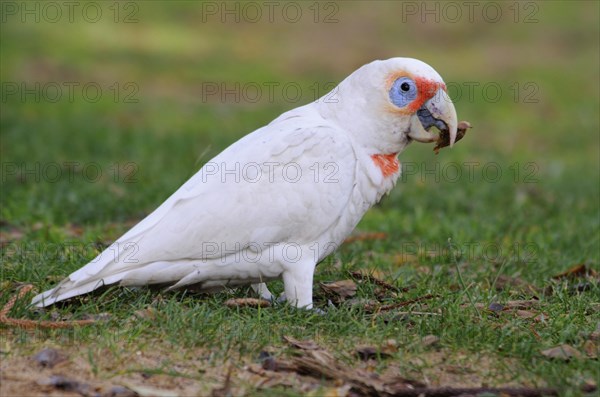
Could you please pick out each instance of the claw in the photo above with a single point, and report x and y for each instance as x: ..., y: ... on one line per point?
x: 282, y: 298
x: 262, y: 291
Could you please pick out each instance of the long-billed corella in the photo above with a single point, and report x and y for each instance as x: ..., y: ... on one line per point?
x: 279, y: 200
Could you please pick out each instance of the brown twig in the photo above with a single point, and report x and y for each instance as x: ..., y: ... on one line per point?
x: 247, y: 302
x: 366, y: 237
x: 371, y: 279
x: 417, y: 313
x: 28, y: 324
x: 321, y: 364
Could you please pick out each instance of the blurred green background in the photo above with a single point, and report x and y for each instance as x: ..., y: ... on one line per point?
x: 142, y: 114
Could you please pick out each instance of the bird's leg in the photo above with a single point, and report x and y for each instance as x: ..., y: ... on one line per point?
x: 297, y: 281
x: 261, y: 290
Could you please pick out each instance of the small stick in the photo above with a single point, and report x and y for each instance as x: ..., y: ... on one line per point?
x: 29, y: 324
x: 366, y: 237
x: 374, y: 280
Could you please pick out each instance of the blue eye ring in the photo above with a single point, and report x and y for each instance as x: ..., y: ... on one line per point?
x: 403, y: 91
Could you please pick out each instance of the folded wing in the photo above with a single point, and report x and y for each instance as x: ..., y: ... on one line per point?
x: 286, y: 182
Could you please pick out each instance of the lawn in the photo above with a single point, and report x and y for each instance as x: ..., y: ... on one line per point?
x: 105, y: 111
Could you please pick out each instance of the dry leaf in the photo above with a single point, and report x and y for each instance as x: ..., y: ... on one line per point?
x: 562, y: 352
x: 521, y: 304
x: 340, y: 289
x: 525, y: 314
x: 48, y: 358
x: 320, y: 364
x: 590, y: 349
x: 576, y: 271
x: 429, y: 340
x: 148, y: 313
x: 247, y: 302
x: 302, y: 344
x: 504, y: 282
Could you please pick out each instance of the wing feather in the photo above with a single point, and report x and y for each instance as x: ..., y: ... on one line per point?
x: 296, y: 198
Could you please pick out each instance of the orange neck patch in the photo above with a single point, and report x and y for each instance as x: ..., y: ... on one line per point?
x: 387, y: 163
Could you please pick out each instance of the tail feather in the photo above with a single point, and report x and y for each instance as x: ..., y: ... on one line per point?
x: 68, y: 289
x: 105, y: 269
x: 136, y: 275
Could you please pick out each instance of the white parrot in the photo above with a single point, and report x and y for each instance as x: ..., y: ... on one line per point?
x: 282, y: 198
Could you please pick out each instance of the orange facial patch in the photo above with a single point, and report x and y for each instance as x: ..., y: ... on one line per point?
x: 387, y: 163
x: 426, y: 89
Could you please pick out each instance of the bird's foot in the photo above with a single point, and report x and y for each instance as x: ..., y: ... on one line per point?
x: 281, y: 299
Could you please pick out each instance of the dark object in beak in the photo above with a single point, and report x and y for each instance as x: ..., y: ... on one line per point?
x: 427, y: 120
x: 444, y: 138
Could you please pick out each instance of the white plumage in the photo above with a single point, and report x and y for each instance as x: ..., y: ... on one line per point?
x: 283, y: 197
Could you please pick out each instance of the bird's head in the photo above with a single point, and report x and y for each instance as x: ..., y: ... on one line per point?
x: 385, y: 105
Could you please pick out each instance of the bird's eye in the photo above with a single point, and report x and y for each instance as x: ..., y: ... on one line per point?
x: 403, y: 92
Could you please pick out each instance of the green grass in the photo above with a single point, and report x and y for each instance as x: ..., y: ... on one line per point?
x: 531, y: 224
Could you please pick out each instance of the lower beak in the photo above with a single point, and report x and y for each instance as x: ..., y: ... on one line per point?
x: 437, y: 112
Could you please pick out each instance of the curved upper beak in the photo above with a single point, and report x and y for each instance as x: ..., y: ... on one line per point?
x: 437, y: 112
